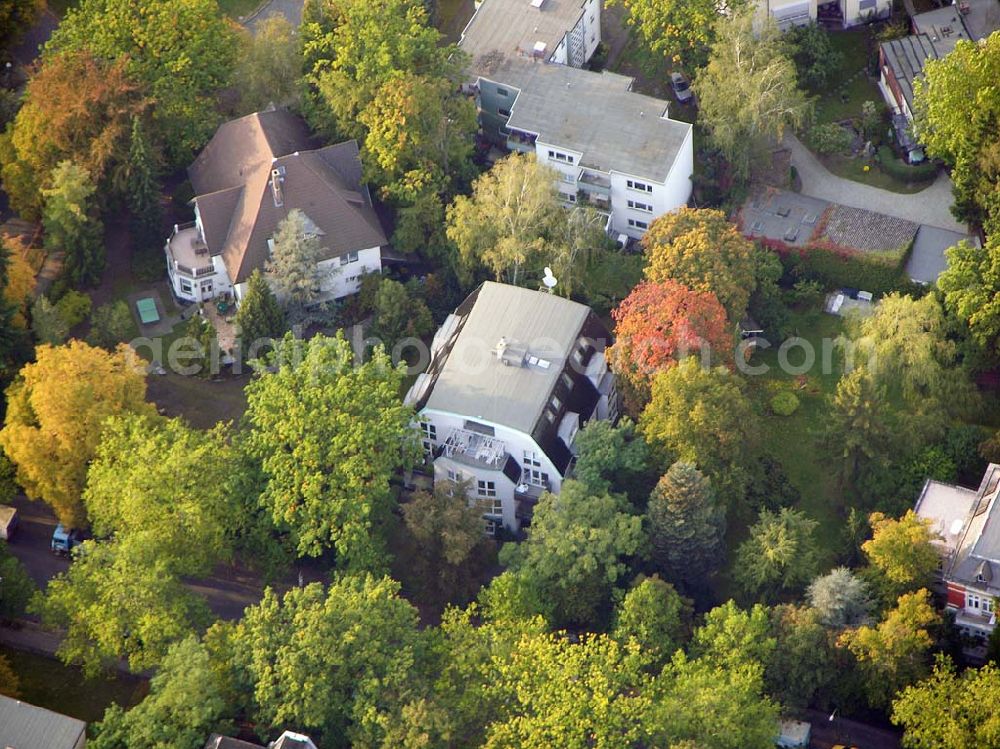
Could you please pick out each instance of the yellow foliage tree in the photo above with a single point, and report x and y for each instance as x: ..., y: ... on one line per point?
x: 55, y: 414
x: 20, y: 279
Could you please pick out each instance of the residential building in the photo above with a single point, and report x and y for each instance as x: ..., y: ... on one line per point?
x: 249, y: 177
x: 25, y: 726
x: 287, y: 740
x: 614, y: 149
x: 901, y: 61
x: 844, y: 13
x: 514, y: 375
x: 967, y: 523
x: 566, y: 32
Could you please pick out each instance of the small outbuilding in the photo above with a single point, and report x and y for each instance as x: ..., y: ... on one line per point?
x: 793, y: 734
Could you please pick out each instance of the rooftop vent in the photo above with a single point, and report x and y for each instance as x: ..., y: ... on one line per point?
x: 539, y: 49
x: 537, y: 3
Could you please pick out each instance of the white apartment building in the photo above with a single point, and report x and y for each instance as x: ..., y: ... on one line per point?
x: 514, y: 375
x: 249, y: 177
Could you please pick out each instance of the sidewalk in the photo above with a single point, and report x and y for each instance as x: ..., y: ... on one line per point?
x: 930, y: 206
x: 32, y: 638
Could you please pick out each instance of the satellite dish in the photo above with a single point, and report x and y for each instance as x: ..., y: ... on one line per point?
x: 548, y: 279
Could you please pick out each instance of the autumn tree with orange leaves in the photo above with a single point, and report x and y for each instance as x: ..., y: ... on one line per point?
x: 660, y: 323
x: 699, y: 248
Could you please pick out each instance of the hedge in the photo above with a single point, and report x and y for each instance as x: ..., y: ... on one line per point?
x: 877, y: 272
x: 903, y: 171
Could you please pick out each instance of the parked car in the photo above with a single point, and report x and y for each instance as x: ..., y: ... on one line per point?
x: 64, y: 540
x: 8, y: 522
x: 681, y: 87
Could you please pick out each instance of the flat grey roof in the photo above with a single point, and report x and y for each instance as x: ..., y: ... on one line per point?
x: 476, y: 384
x: 26, y: 726
x: 927, y: 260
x: 945, y: 27
x: 512, y: 27
x: 947, y: 507
x: 594, y: 114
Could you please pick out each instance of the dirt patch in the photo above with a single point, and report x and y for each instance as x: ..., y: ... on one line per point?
x: 203, y: 402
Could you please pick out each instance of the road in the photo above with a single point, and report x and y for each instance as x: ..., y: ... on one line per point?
x: 228, y: 591
x: 850, y: 733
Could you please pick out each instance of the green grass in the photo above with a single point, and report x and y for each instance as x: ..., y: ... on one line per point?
x: 854, y: 169
x: 48, y: 683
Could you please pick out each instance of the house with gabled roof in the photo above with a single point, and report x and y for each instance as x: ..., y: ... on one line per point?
x: 250, y: 176
x: 26, y: 726
x: 514, y: 375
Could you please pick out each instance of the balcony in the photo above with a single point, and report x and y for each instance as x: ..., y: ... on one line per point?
x: 188, y: 253
x: 521, y: 142
x: 600, y: 202
x: 475, y: 449
x: 595, y: 184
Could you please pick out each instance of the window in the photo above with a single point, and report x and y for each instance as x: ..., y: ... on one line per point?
x: 497, y: 508
x: 454, y: 476
x: 502, y: 92
x: 560, y: 156
x: 531, y: 459
x: 556, y: 403
x: 350, y: 257
x: 979, y: 578
x: 980, y: 603
x: 640, y: 206
x: 592, y: 18
x: 206, y: 288
x: 566, y: 380
x: 503, y: 112
x: 638, y: 224
x: 640, y: 186
x: 568, y: 197
x: 186, y: 286
x: 429, y: 430
x: 486, y: 488
x: 549, y: 416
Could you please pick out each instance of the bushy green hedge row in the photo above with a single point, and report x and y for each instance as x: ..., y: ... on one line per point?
x: 878, y: 273
x: 903, y: 171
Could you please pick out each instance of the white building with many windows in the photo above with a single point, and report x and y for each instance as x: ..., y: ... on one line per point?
x: 249, y: 177
x: 614, y: 149
x: 514, y: 375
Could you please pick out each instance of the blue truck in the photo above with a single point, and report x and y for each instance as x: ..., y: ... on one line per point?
x: 64, y: 540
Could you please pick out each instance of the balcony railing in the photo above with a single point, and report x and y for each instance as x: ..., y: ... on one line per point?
x: 475, y: 449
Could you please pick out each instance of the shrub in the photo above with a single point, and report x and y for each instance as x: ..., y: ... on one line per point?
x: 905, y: 172
x: 814, y: 56
x: 877, y: 272
x: 111, y: 324
x: 74, y: 308
x: 785, y: 403
x: 829, y: 138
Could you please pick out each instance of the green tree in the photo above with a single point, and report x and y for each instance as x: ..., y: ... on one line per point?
x: 680, y: 32
x: 841, y: 599
x: 47, y: 323
x: 447, y: 551
x: 353, y: 645
x: 610, y: 456
x: 16, y: 585
x: 654, y: 616
x: 181, y: 51
x: 55, y: 416
x: 780, y: 553
x: 948, y: 709
x: 701, y: 416
x: 575, y: 550
x: 686, y: 526
x: 259, y: 318
x: 701, y: 249
x: 269, y: 65
x: 354, y: 47
x: 971, y: 286
x: 71, y: 224
x: 858, y: 424
x: 201, y: 345
x: 186, y: 702
x: 399, y: 314
x: 731, y: 638
x: 111, y: 324
x: 292, y: 270
x: 166, y: 489
x: 419, y: 136
x: 902, y: 552
x: 816, y: 59
x: 118, y: 601
x: 329, y: 435
x: 956, y: 112
x: 804, y: 666
x: 748, y: 94
x: 893, y: 654
x: 142, y: 191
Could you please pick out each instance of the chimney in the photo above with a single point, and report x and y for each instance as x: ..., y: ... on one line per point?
x: 501, y: 348
x: 276, y: 192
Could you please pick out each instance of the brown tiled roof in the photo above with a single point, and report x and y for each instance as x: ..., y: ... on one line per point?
x: 232, y: 182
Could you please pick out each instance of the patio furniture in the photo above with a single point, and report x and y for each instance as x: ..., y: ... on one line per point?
x: 147, y: 311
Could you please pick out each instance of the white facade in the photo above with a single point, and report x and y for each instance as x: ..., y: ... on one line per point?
x: 196, y: 276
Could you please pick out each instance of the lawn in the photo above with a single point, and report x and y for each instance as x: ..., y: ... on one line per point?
x: 844, y: 101
x: 854, y: 169
x: 48, y: 683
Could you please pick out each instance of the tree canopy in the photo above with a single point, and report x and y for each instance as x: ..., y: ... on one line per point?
x: 971, y: 286
x: 55, y: 416
x: 902, y: 551
x: 329, y: 436
x: 780, y: 553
